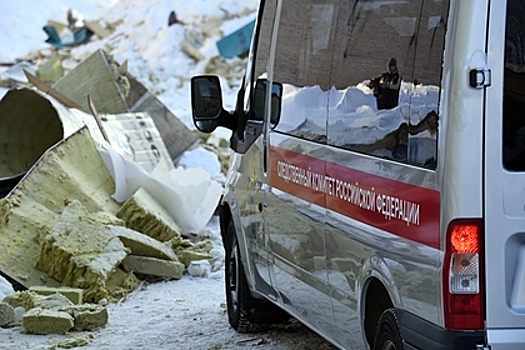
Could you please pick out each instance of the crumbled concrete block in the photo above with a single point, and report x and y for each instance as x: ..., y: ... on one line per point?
x: 75, y: 295
x: 41, y: 321
x: 186, y: 256
x: 7, y: 315
x: 120, y: 283
x: 88, y: 317
x: 52, y: 302
x: 81, y: 251
x: 61, y: 172
x: 24, y: 299
x: 74, y: 342
x: 143, y: 245
x: 143, y: 213
x: 153, y: 267
x: 29, y: 300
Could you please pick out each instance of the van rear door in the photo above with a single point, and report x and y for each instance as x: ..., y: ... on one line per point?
x: 504, y: 184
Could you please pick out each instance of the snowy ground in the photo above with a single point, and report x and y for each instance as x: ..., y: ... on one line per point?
x: 188, y: 314
x: 185, y: 314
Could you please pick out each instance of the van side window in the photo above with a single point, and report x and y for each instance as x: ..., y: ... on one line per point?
x: 513, y: 88
x: 259, y: 68
x: 302, y: 65
x: 385, y: 79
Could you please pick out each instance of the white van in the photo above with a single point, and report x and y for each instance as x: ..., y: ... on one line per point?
x: 383, y: 207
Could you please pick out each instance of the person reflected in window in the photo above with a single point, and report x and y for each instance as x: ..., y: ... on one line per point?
x: 386, y: 86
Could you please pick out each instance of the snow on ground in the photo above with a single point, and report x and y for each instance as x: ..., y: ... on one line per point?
x: 186, y: 314
x: 189, y: 313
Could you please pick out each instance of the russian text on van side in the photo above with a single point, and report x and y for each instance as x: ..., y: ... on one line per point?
x: 390, y: 206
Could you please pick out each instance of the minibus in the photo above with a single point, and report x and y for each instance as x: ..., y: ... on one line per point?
x: 376, y: 188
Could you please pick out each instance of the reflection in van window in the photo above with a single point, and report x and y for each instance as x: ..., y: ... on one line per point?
x: 385, y: 77
x: 514, y: 87
x: 386, y: 86
x: 259, y: 64
x: 302, y: 61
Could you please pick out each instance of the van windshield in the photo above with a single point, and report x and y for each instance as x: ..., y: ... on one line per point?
x: 514, y: 88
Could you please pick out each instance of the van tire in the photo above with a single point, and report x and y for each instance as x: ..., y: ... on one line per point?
x: 245, y: 313
x: 388, y: 336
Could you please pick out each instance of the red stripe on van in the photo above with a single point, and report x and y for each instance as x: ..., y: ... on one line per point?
x: 402, y: 209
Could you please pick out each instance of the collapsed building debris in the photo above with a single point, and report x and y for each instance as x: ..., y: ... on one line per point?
x: 82, y: 215
x: 143, y: 213
x: 53, y: 313
x: 115, y: 91
x: 91, y: 249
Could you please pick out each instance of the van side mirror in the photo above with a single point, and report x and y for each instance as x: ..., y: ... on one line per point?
x: 259, y: 101
x: 206, y: 103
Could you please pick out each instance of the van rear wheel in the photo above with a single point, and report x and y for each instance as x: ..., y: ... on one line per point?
x: 388, y: 336
x: 245, y: 313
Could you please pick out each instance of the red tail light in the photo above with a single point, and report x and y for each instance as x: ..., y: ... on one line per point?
x: 463, y: 294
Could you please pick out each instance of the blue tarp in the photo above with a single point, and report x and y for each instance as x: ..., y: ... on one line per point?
x: 80, y: 35
x: 237, y: 43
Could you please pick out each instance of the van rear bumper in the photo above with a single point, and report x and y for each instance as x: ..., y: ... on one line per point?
x: 507, y: 339
x: 420, y: 334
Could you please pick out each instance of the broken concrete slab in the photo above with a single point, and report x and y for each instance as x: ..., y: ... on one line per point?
x: 79, y: 251
x: 52, y: 302
x: 177, y: 137
x: 187, y: 251
x: 146, y: 146
x: 7, y: 315
x: 98, y: 77
x: 148, y: 266
x: 42, y: 321
x: 88, y: 317
x: 143, y: 213
x: 142, y: 245
x: 121, y: 283
x: 53, y: 176
x: 186, y: 256
x: 29, y: 300
x: 24, y: 299
x: 75, y: 295
x: 116, y: 92
x: 51, y: 308
x: 35, y: 203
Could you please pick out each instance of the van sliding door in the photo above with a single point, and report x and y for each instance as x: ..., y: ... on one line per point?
x: 295, y: 204
x: 383, y: 213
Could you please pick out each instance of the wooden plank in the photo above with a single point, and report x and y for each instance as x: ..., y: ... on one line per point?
x: 42, y: 86
x: 97, y: 29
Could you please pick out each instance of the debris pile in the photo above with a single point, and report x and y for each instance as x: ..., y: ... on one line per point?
x: 94, y: 203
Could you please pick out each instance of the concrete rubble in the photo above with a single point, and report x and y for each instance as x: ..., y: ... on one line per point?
x: 89, y: 210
